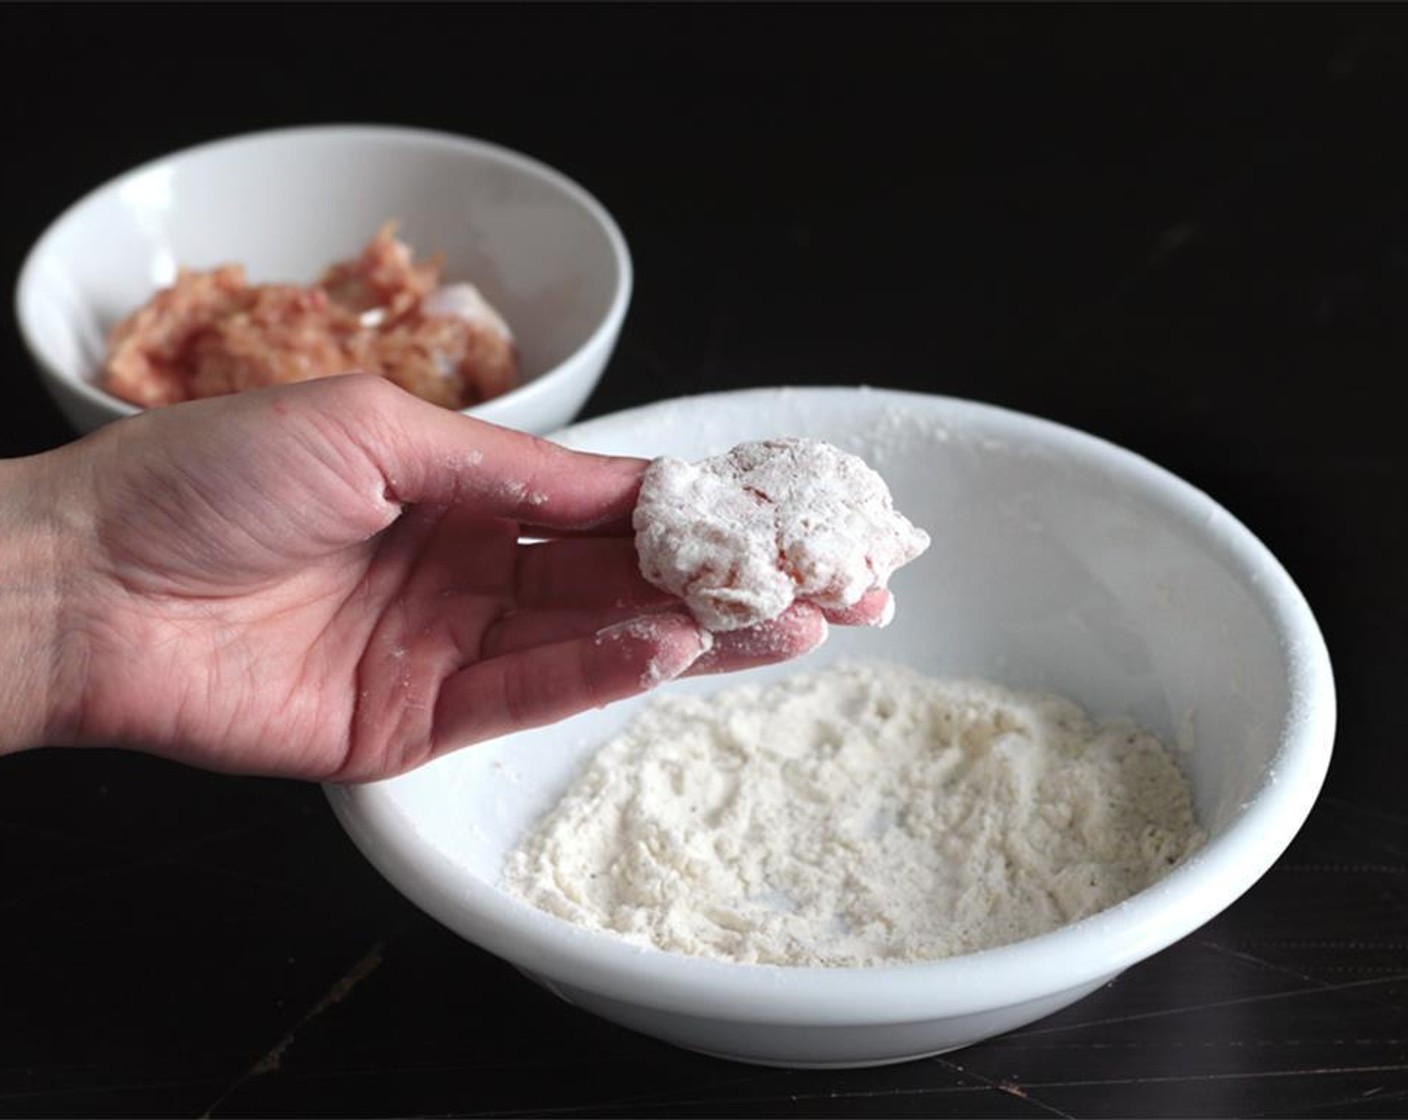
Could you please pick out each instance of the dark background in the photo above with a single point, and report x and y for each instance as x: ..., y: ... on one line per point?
x: 1184, y: 229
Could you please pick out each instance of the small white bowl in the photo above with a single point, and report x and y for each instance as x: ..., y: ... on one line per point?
x: 1059, y: 562
x: 287, y: 203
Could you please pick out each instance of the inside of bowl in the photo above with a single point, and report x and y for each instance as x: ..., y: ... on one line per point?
x: 1058, y: 563
x: 287, y: 205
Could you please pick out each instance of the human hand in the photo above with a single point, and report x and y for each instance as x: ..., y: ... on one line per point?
x: 329, y: 581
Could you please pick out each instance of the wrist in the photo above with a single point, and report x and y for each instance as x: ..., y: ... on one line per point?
x: 39, y: 688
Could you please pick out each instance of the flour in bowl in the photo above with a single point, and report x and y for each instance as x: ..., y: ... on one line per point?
x: 858, y: 815
x: 741, y: 536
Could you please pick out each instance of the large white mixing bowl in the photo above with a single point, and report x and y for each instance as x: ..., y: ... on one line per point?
x: 1059, y: 562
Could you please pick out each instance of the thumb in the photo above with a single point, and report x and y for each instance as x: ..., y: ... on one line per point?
x: 428, y: 454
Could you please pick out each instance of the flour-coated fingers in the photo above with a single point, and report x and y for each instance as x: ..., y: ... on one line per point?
x: 874, y: 608
x: 546, y: 683
x: 525, y: 629
x: 798, y: 630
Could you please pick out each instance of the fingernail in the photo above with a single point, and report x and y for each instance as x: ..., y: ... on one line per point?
x: 673, y: 658
x: 886, y: 615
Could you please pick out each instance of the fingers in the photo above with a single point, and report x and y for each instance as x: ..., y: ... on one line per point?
x: 596, y: 572
x: 534, y: 685
x: 546, y: 683
x: 798, y: 630
x: 526, y: 629
x: 572, y: 588
x: 874, y: 608
x: 585, y: 572
x: 528, y: 682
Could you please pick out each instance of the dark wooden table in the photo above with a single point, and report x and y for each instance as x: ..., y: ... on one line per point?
x: 1184, y: 229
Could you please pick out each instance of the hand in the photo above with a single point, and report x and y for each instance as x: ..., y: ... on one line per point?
x: 329, y: 580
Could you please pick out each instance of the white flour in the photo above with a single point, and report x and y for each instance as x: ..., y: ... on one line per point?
x: 740, y: 536
x: 858, y: 815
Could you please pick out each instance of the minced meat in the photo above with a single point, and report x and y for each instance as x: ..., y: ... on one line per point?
x: 382, y: 312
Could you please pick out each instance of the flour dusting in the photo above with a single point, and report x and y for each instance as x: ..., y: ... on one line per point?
x: 668, y: 661
x: 741, y: 536
x: 859, y: 815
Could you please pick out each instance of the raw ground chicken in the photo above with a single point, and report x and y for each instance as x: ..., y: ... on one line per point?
x: 382, y: 312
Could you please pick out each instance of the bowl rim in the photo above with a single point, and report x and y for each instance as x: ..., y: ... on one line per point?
x: 1072, y: 957
x: 610, y: 324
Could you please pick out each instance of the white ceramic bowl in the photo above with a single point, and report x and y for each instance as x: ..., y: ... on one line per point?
x: 1059, y: 562
x: 289, y: 202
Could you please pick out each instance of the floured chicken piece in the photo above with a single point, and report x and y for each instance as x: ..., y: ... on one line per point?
x: 741, y: 536
x: 382, y: 312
